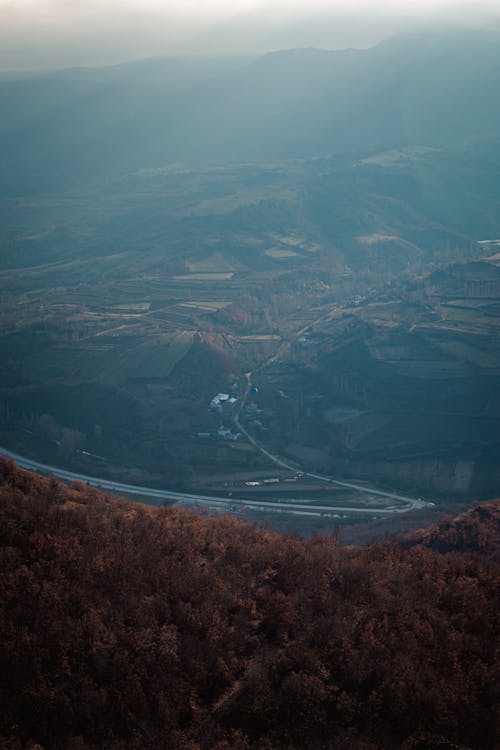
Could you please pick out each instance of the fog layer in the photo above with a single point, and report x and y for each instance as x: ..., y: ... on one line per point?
x: 57, y: 33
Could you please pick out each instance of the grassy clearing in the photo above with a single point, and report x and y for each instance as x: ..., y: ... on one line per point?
x: 177, y: 349
x: 398, y: 157
x: 296, y: 242
x: 280, y: 253
x: 151, y: 359
x: 205, y: 306
x: 375, y: 239
x: 469, y: 315
x: 215, y: 263
x: 135, y: 307
x: 290, y: 239
x: 259, y: 337
x: 246, y: 447
x: 204, y: 277
x: 116, y: 331
x: 474, y: 303
x: 469, y: 353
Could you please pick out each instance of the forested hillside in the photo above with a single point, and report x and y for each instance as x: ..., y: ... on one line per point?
x: 477, y: 530
x: 123, y: 626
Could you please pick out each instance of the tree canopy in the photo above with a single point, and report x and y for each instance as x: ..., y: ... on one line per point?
x: 124, y: 626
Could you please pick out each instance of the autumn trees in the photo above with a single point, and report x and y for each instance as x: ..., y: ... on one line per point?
x: 122, y: 626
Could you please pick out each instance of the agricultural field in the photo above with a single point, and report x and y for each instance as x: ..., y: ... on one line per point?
x: 370, y: 362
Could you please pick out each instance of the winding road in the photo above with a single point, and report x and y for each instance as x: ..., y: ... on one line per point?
x: 299, y: 507
x: 411, y: 503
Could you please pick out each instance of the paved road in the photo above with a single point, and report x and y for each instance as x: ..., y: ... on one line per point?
x: 411, y: 503
x: 299, y: 507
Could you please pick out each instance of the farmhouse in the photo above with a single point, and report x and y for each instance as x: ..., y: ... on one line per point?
x: 222, y: 403
x: 224, y: 434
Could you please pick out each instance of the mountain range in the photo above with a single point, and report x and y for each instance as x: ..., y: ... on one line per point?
x: 83, y: 125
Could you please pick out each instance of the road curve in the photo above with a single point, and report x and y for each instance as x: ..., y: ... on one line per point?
x: 224, y: 503
x: 411, y: 503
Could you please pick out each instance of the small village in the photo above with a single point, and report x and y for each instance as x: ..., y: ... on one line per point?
x: 222, y: 407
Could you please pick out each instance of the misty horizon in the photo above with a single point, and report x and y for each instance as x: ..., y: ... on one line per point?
x: 49, y: 35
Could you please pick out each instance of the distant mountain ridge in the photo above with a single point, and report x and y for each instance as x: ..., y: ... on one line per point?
x: 74, y: 126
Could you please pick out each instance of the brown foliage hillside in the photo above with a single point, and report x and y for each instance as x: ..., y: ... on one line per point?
x: 477, y: 530
x: 122, y: 626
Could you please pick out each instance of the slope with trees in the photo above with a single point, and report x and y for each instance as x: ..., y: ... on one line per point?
x: 124, y: 626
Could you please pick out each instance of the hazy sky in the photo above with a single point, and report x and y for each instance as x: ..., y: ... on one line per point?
x: 55, y: 33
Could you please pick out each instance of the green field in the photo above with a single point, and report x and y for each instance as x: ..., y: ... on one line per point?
x: 469, y: 353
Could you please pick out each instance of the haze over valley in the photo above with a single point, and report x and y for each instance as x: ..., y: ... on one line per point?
x: 310, y: 233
